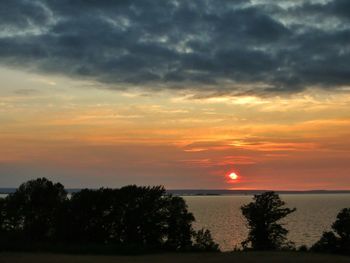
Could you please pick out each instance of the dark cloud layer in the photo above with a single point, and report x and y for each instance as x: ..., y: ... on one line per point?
x: 202, y: 44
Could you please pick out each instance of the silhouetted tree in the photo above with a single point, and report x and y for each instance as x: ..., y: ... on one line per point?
x: 39, y: 213
x: 337, y: 241
x: 89, y: 216
x: 133, y: 216
x: 2, y: 220
x: 328, y: 243
x: 31, y: 213
x: 179, y: 224
x: 342, y: 227
x: 262, y: 215
x: 144, y: 215
x: 203, y: 241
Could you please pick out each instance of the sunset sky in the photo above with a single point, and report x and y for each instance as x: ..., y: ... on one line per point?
x: 175, y: 92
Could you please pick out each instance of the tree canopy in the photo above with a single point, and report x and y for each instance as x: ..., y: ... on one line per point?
x: 262, y: 215
x: 40, y: 213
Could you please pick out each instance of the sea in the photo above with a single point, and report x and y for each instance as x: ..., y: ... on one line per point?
x: 221, y: 214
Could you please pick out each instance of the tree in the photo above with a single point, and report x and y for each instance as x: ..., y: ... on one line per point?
x: 130, y: 217
x: 144, y: 215
x: 32, y: 212
x: 203, y: 241
x: 88, y: 219
x: 262, y: 215
x: 342, y: 227
x: 327, y: 243
x: 338, y: 240
x: 2, y: 220
x: 179, y: 224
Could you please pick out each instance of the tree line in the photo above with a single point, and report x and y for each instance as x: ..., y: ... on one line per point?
x: 40, y: 216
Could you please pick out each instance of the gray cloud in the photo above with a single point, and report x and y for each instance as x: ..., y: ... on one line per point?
x: 202, y: 44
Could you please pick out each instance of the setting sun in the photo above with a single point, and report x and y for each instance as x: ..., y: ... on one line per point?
x: 233, y: 176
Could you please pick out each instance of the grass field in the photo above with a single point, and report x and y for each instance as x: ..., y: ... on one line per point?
x: 239, y: 257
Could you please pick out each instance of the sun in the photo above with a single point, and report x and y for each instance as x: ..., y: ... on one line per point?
x: 233, y: 176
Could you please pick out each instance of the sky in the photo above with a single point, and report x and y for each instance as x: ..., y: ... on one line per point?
x: 176, y: 93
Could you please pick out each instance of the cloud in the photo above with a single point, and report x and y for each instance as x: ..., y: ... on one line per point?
x: 178, y: 44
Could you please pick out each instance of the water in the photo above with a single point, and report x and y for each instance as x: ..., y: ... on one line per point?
x: 222, y: 216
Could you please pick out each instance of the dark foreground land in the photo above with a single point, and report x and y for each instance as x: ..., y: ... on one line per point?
x: 241, y: 257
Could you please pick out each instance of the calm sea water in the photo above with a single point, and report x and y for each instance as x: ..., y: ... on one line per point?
x: 222, y: 216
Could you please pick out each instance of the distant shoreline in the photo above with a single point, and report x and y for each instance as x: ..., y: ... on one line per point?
x: 213, y: 192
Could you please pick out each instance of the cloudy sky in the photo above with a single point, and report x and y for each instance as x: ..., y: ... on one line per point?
x: 175, y: 92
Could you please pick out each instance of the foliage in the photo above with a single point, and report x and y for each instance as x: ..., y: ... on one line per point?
x: 327, y: 243
x: 31, y: 214
x: 338, y: 240
x: 203, y: 241
x: 39, y: 215
x: 262, y: 215
x: 179, y: 224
